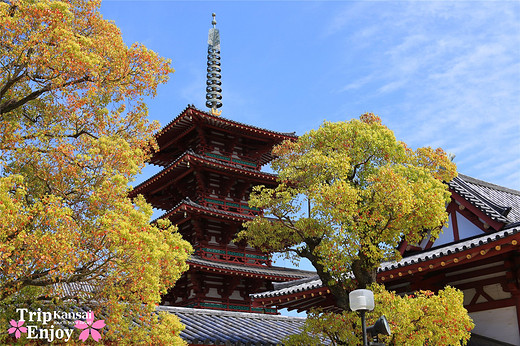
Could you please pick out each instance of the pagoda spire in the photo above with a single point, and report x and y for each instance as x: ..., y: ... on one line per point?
x: 213, y: 82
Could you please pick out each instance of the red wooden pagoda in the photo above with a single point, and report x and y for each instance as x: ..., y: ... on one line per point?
x: 210, y: 165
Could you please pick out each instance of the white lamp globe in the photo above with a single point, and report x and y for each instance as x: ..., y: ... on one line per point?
x: 361, y: 300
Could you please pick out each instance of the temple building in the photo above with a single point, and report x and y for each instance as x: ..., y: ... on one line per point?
x: 210, y: 165
x: 477, y: 253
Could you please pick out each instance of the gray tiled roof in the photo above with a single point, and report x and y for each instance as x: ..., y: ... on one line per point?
x: 75, y: 289
x: 449, y: 249
x: 234, y: 328
x: 314, y: 282
x: 499, y: 203
x: 498, y: 195
x: 220, y: 119
x: 255, y: 270
x: 190, y: 152
x: 291, y: 287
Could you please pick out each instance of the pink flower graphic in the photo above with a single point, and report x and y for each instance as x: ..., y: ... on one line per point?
x: 90, y: 327
x: 17, y: 328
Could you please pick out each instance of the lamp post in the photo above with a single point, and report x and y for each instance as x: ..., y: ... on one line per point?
x: 362, y: 300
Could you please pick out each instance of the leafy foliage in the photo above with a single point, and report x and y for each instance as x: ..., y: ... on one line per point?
x: 73, y: 134
x: 365, y: 193
x: 349, y: 194
x: 421, y: 319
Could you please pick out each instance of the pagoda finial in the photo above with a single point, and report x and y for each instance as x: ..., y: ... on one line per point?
x: 213, y: 82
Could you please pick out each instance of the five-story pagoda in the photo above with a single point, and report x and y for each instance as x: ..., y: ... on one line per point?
x: 210, y: 166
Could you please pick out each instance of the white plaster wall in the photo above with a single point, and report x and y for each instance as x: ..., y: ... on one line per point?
x: 213, y: 293
x: 446, y: 236
x: 236, y: 295
x: 500, y: 324
x: 467, y: 228
x: 496, y: 291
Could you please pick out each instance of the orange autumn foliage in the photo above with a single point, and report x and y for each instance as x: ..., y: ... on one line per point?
x: 73, y: 134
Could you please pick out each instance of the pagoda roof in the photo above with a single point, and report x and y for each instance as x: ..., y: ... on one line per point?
x: 273, y: 272
x: 190, y: 206
x: 192, y: 117
x: 214, y: 327
x: 183, y: 121
x: 190, y: 156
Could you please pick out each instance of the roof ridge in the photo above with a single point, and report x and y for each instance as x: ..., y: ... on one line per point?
x: 488, y: 184
x: 449, y: 248
x: 493, y: 210
x: 192, y: 107
x: 500, y: 209
x: 197, y: 311
x: 406, y: 261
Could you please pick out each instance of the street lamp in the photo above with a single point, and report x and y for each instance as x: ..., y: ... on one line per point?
x: 362, y: 301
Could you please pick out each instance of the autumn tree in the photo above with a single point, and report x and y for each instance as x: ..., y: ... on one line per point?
x: 423, y: 318
x: 349, y: 193
x: 73, y: 135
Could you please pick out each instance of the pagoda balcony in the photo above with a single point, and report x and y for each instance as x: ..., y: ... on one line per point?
x: 227, y: 205
x: 245, y: 161
x: 233, y: 255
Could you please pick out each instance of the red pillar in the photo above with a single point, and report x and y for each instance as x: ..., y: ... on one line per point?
x: 517, y: 300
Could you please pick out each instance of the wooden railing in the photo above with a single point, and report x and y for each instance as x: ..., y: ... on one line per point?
x: 234, y: 207
x: 228, y: 157
x: 233, y: 256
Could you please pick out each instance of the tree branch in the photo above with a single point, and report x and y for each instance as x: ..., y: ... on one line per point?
x: 10, y: 83
x: 11, y: 104
x: 354, y: 170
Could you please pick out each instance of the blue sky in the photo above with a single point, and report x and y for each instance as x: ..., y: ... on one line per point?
x: 438, y: 73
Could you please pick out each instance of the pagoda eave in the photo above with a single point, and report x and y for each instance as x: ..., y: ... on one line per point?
x: 185, y: 120
x: 187, y: 162
x: 190, y: 207
x: 269, y: 273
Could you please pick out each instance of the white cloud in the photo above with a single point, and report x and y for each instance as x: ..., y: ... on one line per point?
x: 450, y: 75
